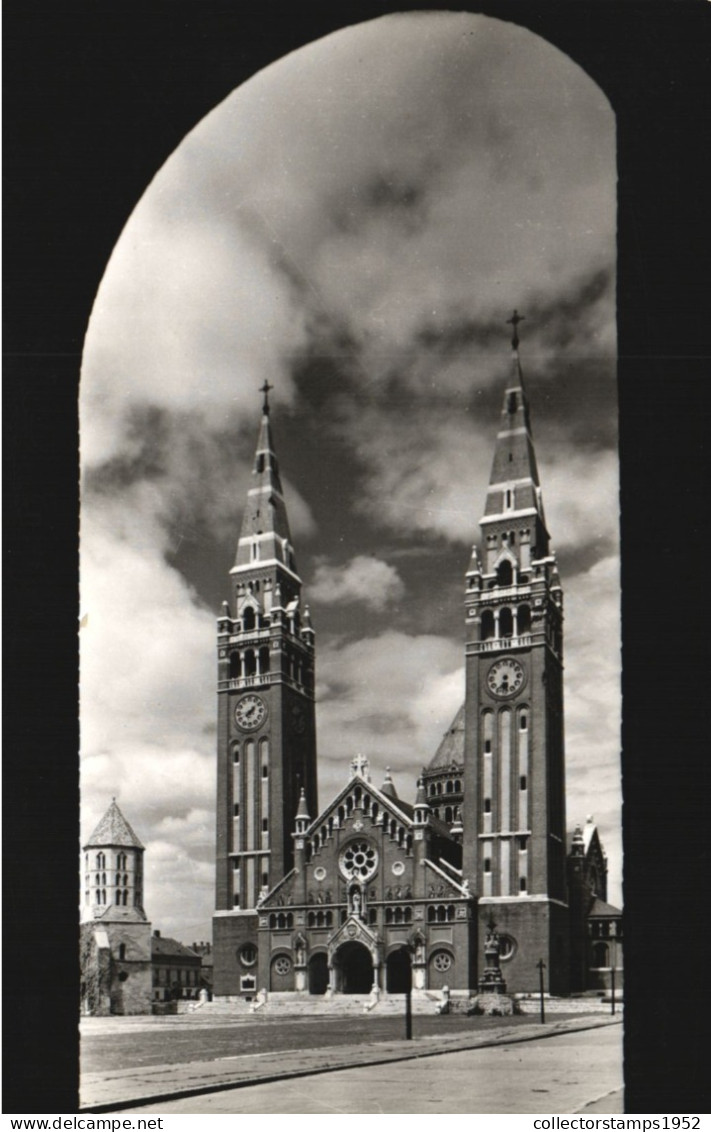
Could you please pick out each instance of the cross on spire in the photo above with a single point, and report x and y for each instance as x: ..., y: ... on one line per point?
x: 514, y: 320
x: 265, y: 390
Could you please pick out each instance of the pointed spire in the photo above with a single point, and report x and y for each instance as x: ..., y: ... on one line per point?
x: 112, y: 830
x: 514, y: 488
x: 265, y: 535
x: 388, y: 787
x: 302, y: 820
x: 422, y: 807
x: 303, y: 809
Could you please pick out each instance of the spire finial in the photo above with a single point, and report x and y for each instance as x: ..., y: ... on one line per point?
x: 265, y: 390
x: 514, y: 320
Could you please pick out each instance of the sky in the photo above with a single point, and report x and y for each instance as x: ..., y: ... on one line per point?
x: 354, y: 224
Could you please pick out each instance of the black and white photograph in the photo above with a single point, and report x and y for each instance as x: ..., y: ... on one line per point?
x: 313, y: 375
x: 351, y: 582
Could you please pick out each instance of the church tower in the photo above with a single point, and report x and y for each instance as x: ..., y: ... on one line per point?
x: 115, y: 954
x: 514, y: 774
x: 266, y: 727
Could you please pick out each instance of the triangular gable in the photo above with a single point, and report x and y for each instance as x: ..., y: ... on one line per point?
x: 353, y: 931
x: 248, y: 600
x: 592, y: 843
x: 392, y: 806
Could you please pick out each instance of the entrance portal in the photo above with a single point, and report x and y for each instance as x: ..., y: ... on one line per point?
x: 398, y: 972
x: 356, y: 968
x: 318, y: 973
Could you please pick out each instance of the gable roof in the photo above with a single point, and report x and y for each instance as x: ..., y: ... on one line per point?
x: 113, y: 830
x: 397, y: 808
x: 602, y: 908
x: 451, y: 749
x: 164, y: 946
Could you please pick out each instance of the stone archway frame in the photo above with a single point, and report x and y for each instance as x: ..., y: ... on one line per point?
x: 354, y: 931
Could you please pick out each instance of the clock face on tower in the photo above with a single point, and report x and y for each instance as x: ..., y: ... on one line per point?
x: 250, y: 712
x: 505, y: 677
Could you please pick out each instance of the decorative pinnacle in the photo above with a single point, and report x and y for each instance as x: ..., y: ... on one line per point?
x: 514, y: 320
x: 265, y: 390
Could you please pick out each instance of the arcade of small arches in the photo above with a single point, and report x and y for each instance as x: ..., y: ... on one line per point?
x: 502, y: 622
x: 449, y: 787
x: 246, y: 663
x: 100, y: 884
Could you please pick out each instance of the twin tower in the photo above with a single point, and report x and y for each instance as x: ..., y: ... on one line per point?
x: 347, y: 898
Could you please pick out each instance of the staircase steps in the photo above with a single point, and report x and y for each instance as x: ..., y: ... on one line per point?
x: 295, y: 1004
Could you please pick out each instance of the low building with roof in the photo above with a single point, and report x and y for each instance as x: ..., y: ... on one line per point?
x: 177, y: 969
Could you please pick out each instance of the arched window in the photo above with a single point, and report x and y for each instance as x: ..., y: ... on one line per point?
x: 487, y: 625
x: 122, y: 951
x: 601, y: 955
x: 250, y: 663
x: 524, y: 619
x: 457, y: 786
x: 118, y: 895
x: 505, y: 623
x: 235, y: 666
x: 100, y: 861
x: 504, y: 573
x: 449, y: 787
x: 264, y: 659
x: 248, y: 617
x: 448, y: 813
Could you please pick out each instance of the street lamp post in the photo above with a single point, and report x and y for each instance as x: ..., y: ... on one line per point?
x: 541, y: 967
x: 613, y: 955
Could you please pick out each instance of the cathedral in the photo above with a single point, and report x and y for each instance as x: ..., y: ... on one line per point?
x: 375, y: 894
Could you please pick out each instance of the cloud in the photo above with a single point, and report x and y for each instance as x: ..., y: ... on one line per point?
x: 389, y: 697
x: 352, y: 225
x: 592, y: 706
x: 363, y: 579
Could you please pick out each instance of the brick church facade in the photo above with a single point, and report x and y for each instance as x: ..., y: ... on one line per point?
x: 373, y: 892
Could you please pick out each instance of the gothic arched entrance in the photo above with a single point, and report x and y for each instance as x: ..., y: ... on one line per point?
x: 355, y: 965
x: 318, y: 973
x: 398, y: 972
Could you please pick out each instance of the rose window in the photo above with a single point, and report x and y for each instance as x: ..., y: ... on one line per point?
x: 282, y: 965
x: 442, y: 961
x: 359, y: 860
